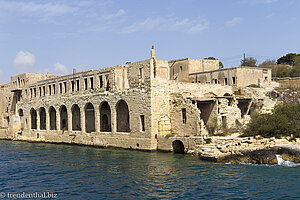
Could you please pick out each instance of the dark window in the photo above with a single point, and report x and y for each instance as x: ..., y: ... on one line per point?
x: 225, y: 81
x: 85, y: 84
x: 60, y: 88
x: 73, y: 88
x: 92, y: 82
x: 100, y: 81
x: 77, y: 84
x: 183, y: 115
x: 50, y: 92
x: 140, y: 73
x: 143, y: 122
x: 233, y: 81
x: 53, y: 89
x: 65, y: 86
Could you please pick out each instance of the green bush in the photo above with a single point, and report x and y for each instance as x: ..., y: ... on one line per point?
x: 284, y: 121
x: 253, y: 85
x: 207, y: 140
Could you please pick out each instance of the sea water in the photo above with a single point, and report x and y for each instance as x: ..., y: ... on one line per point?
x: 80, y: 172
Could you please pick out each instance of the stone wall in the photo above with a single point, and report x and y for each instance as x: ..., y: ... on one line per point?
x: 130, y: 106
x: 238, y: 76
x: 288, y: 82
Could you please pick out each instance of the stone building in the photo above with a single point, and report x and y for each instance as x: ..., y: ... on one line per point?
x: 149, y: 105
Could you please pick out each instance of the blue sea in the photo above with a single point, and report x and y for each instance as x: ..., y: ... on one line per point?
x: 80, y: 172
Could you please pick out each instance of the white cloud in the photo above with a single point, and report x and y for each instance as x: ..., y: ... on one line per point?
x: 60, y: 69
x: 234, y: 21
x: 168, y: 24
x: 24, y: 60
x: 31, y: 8
x: 118, y: 14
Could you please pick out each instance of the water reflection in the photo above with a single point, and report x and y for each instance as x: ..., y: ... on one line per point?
x: 94, y: 173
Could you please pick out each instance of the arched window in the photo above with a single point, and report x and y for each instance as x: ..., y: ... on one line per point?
x: 52, y: 115
x: 122, y: 117
x: 20, y: 113
x: 42, y: 119
x: 63, y: 118
x: 89, y: 118
x: 33, y: 117
x: 76, y: 123
x: 105, y: 117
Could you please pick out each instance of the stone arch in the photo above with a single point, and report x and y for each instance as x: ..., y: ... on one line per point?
x: 210, y: 94
x: 89, y: 112
x: 33, y: 117
x: 105, y: 117
x: 42, y: 118
x: 52, y: 117
x: 76, y: 122
x: 123, y: 124
x: 21, y: 115
x: 20, y: 112
x: 178, y: 146
x: 63, y: 117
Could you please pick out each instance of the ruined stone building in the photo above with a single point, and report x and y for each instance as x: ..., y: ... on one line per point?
x: 150, y: 105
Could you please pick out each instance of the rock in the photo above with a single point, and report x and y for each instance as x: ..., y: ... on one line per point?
x: 263, y: 156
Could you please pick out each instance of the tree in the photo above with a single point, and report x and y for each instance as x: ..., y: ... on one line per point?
x: 250, y: 62
x: 288, y: 59
x: 295, y: 71
x: 267, y: 63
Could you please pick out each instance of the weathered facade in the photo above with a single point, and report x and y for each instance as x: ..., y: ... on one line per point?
x: 149, y: 105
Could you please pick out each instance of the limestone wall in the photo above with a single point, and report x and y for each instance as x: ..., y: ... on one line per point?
x: 288, y: 82
x: 238, y: 76
x: 182, y: 68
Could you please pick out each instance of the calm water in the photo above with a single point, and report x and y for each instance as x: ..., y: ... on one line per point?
x: 78, y: 172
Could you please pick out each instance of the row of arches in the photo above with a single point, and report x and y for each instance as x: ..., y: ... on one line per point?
x: 88, y: 115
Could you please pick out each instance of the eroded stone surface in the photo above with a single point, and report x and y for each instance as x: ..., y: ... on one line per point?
x: 148, y: 105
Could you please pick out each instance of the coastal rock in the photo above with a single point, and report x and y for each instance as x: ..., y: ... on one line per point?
x: 263, y: 156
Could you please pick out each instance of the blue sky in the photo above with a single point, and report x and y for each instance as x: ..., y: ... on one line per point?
x: 57, y: 35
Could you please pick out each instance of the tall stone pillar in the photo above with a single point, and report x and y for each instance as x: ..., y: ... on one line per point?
x: 113, y: 121
x: 70, y: 120
x: 38, y: 124
x: 57, y: 120
x: 82, y: 119
x: 47, y: 120
x: 29, y: 121
x: 97, y: 120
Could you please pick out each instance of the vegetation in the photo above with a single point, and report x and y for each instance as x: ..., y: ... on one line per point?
x: 286, y: 66
x: 253, y: 85
x: 250, y: 62
x: 284, y: 121
x: 288, y: 59
x: 207, y: 140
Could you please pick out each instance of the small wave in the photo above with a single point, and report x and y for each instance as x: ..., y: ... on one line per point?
x: 282, y: 162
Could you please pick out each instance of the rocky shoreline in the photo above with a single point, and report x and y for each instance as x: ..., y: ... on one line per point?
x: 250, y: 150
x: 264, y: 156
